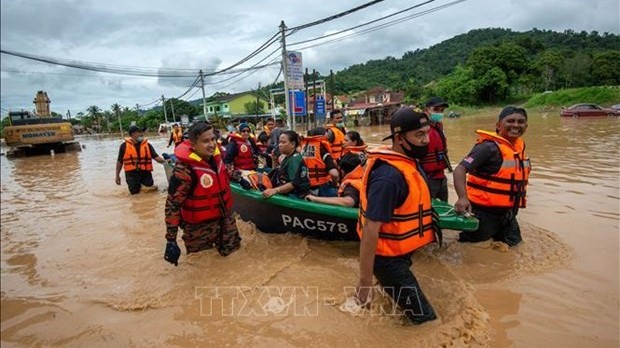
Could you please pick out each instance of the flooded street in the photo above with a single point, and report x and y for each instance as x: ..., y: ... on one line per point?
x: 82, y: 261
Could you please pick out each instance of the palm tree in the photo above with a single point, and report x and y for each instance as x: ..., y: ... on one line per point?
x: 93, y: 111
x: 117, y: 110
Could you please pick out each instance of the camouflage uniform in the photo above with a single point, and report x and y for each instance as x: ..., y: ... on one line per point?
x: 197, y: 237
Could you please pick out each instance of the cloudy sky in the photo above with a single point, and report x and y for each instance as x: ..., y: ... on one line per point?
x: 152, y: 36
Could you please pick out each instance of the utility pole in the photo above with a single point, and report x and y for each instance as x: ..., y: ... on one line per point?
x: 172, y: 107
x: 120, y: 124
x: 315, y: 94
x: 138, y: 110
x: 257, y: 101
x: 163, y: 101
x: 307, y: 97
x: 331, y: 89
x: 285, y: 73
x: 204, y: 99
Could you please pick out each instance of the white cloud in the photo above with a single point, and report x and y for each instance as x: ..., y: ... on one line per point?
x: 209, y: 35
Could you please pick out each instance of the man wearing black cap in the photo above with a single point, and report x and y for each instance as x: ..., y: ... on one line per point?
x: 396, y: 216
x: 135, y: 157
x: 436, y: 160
x: 491, y: 181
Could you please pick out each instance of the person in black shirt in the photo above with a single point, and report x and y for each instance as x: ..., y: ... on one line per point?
x: 135, y: 156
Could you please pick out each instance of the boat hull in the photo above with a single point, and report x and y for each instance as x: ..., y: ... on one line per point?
x: 281, y: 214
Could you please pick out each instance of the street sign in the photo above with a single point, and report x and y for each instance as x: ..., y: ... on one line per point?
x: 299, y: 101
x: 294, y: 70
x: 320, y: 107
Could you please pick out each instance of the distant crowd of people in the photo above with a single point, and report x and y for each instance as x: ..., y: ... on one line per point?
x: 393, y: 186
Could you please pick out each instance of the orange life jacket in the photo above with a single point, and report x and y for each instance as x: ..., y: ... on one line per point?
x: 359, y: 150
x: 245, y: 155
x: 210, y: 196
x: 507, y: 187
x: 315, y: 160
x: 177, y: 137
x: 353, y: 178
x: 434, y: 162
x: 412, y: 224
x: 135, y: 161
x: 337, y: 144
x: 257, y: 180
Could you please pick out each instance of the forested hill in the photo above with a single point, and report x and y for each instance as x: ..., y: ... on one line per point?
x: 436, y: 62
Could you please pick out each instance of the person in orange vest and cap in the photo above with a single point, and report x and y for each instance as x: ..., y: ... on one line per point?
x: 135, y: 156
x: 396, y: 217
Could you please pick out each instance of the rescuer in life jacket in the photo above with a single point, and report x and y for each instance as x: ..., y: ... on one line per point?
x: 136, y: 157
x: 176, y: 136
x: 491, y: 182
x: 349, y: 191
x: 241, y: 150
x: 396, y: 217
x: 322, y: 169
x: 336, y: 133
x: 436, y: 160
x: 199, y: 198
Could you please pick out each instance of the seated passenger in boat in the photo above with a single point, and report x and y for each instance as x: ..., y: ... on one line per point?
x: 241, y: 150
x: 322, y: 171
x: 291, y: 176
x: 349, y: 191
x: 353, y: 143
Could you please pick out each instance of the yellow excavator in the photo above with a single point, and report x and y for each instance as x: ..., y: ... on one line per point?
x: 29, y: 134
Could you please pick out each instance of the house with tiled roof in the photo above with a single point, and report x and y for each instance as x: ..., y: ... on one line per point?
x: 374, y: 106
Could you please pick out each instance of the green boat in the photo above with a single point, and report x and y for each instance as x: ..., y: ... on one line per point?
x: 281, y: 214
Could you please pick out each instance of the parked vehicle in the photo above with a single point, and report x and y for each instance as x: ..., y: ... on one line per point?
x: 585, y: 109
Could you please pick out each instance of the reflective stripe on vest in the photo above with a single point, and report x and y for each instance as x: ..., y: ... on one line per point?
x: 412, y: 224
x: 338, y: 143
x: 353, y: 178
x: 508, y: 187
x: 133, y: 160
x: 314, y: 160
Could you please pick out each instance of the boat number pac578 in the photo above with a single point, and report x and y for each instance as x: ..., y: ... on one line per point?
x: 312, y: 225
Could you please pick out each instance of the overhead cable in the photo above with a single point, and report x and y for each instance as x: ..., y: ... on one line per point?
x: 338, y: 15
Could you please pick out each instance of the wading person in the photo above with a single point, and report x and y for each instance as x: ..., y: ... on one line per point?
x: 491, y: 181
x: 176, y: 136
x: 135, y: 157
x: 199, y: 198
x: 436, y: 160
x: 395, y: 216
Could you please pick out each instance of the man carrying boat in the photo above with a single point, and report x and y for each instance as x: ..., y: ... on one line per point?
x: 491, y: 181
x: 396, y: 217
x: 199, y: 198
x: 436, y: 160
x: 136, y: 157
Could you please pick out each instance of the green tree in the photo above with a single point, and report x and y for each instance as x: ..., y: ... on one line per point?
x: 549, y: 67
x: 254, y: 108
x: 93, y: 113
x: 606, y: 68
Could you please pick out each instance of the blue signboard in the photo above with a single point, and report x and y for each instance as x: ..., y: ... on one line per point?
x: 319, y: 105
x: 299, y: 101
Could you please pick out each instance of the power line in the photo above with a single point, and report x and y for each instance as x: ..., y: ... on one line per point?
x: 363, y: 24
x: 338, y: 15
x: 384, y: 25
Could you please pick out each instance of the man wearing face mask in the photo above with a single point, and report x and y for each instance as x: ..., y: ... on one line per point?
x: 491, y: 181
x: 336, y: 133
x: 135, y: 156
x: 396, y: 217
x: 436, y: 160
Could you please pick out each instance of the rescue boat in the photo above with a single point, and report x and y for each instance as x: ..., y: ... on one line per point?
x: 281, y: 214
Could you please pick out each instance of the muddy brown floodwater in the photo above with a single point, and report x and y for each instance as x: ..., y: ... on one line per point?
x: 82, y: 261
